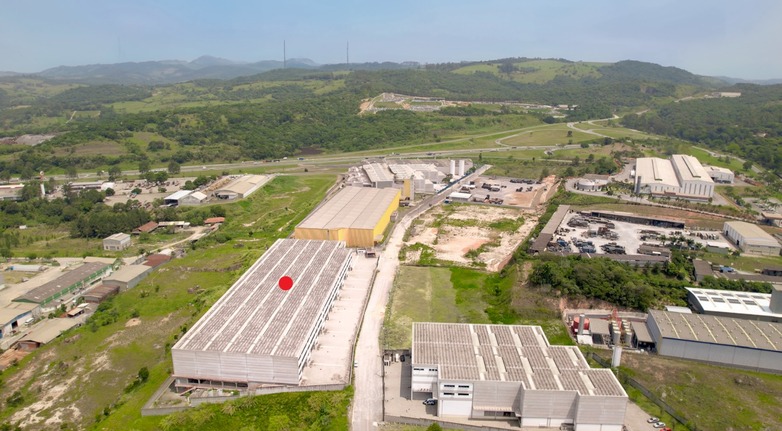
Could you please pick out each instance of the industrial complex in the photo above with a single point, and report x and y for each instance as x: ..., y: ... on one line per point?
x: 681, y: 176
x: 511, y: 372
x: 259, y: 334
x: 356, y: 215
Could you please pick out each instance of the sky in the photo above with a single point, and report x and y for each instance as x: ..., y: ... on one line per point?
x: 707, y: 37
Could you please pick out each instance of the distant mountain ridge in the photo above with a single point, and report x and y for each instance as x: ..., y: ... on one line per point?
x: 167, y: 71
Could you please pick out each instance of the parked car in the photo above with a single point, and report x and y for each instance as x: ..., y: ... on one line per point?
x: 652, y: 420
x: 430, y: 402
x: 659, y: 425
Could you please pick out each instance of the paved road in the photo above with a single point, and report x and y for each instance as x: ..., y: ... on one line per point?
x: 367, y: 409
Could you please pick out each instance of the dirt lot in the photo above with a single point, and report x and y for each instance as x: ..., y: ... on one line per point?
x: 471, y: 235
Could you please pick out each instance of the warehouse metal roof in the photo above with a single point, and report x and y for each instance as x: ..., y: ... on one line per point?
x: 127, y: 273
x: 49, y: 330
x: 177, y: 195
x: 642, y: 332
x: 67, y: 279
x: 657, y: 170
x: 508, y: 353
x: 118, y: 237
x: 255, y: 316
x: 728, y: 301
x: 352, y: 207
x: 689, y: 168
x: 705, y: 328
x: 753, y: 234
x: 245, y: 185
x: 378, y: 172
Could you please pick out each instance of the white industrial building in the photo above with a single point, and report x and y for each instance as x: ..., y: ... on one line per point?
x: 173, y: 198
x: 117, y: 242
x: 242, y: 187
x: 194, y: 198
x: 741, y: 343
x: 681, y: 176
x: 720, y: 175
x: 511, y: 372
x: 744, y: 305
x: 127, y: 276
x: 379, y: 175
x: 258, y: 334
x: 459, y: 197
x: 751, y: 239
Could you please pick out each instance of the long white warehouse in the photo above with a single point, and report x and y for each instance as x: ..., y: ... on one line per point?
x: 682, y: 176
x: 511, y: 372
x: 259, y: 334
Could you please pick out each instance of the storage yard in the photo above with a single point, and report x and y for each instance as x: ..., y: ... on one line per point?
x: 582, y: 232
x: 519, y: 192
x: 470, y: 234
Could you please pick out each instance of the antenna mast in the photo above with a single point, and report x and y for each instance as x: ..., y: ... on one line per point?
x: 347, y: 54
x: 284, y: 56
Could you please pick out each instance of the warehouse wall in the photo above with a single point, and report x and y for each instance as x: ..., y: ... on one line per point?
x: 539, y: 407
x: 233, y: 367
x: 605, y: 413
x: 723, y: 354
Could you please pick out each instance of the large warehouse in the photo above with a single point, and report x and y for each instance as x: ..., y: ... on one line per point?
x: 510, y: 371
x: 682, y: 176
x: 751, y: 239
x: 257, y: 333
x: 242, y: 187
x: 70, y: 281
x: 744, y: 305
x: 742, y: 343
x: 356, y: 215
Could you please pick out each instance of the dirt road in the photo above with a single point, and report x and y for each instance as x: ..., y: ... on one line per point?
x: 367, y: 409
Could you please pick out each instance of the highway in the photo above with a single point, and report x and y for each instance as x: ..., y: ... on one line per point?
x: 367, y: 408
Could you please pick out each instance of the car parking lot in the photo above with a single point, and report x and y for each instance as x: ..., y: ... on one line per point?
x: 595, y: 235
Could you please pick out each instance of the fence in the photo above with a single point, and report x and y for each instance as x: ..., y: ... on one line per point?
x: 627, y: 380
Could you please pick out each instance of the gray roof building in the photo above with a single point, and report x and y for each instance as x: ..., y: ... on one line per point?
x: 258, y: 333
x: 510, y: 371
x: 741, y: 343
x: 70, y: 281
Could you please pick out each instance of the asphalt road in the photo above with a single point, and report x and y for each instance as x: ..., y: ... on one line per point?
x: 367, y: 409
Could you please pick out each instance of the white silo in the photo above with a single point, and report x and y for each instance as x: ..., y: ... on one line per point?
x: 461, y: 168
x: 453, y: 168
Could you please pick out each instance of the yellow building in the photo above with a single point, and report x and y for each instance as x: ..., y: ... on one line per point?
x: 356, y: 215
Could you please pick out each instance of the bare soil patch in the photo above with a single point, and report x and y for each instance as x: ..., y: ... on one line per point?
x: 469, y: 235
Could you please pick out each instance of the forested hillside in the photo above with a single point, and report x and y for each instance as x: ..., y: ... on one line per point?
x: 279, y: 113
x: 749, y: 126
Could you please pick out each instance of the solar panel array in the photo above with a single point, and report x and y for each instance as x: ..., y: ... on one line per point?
x: 256, y: 317
x: 506, y: 353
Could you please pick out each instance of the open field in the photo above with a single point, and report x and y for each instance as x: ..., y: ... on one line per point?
x: 711, y: 397
x: 137, y: 328
x: 460, y: 295
x: 553, y: 135
x: 479, y: 236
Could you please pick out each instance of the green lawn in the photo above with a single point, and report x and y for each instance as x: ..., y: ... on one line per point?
x: 461, y: 295
x: 710, y: 397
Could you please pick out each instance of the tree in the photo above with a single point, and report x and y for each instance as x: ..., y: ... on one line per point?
x: 72, y: 172
x: 144, y: 166
x: 434, y: 427
x: 114, y: 173
x: 544, y: 173
x: 143, y: 374
x: 569, y: 133
x: 173, y: 167
x: 747, y: 165
x: 110, y: 192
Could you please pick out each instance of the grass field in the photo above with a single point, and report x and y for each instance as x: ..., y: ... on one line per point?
x: 552, y: 135
x: 460, y: 295
x: 539, y: 71
x: 106, y: 354
x: 710, y: 397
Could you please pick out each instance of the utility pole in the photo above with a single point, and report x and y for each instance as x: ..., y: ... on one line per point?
x: 284, y: 56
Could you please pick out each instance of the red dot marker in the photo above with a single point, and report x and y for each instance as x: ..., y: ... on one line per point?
x: 285, y: 282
